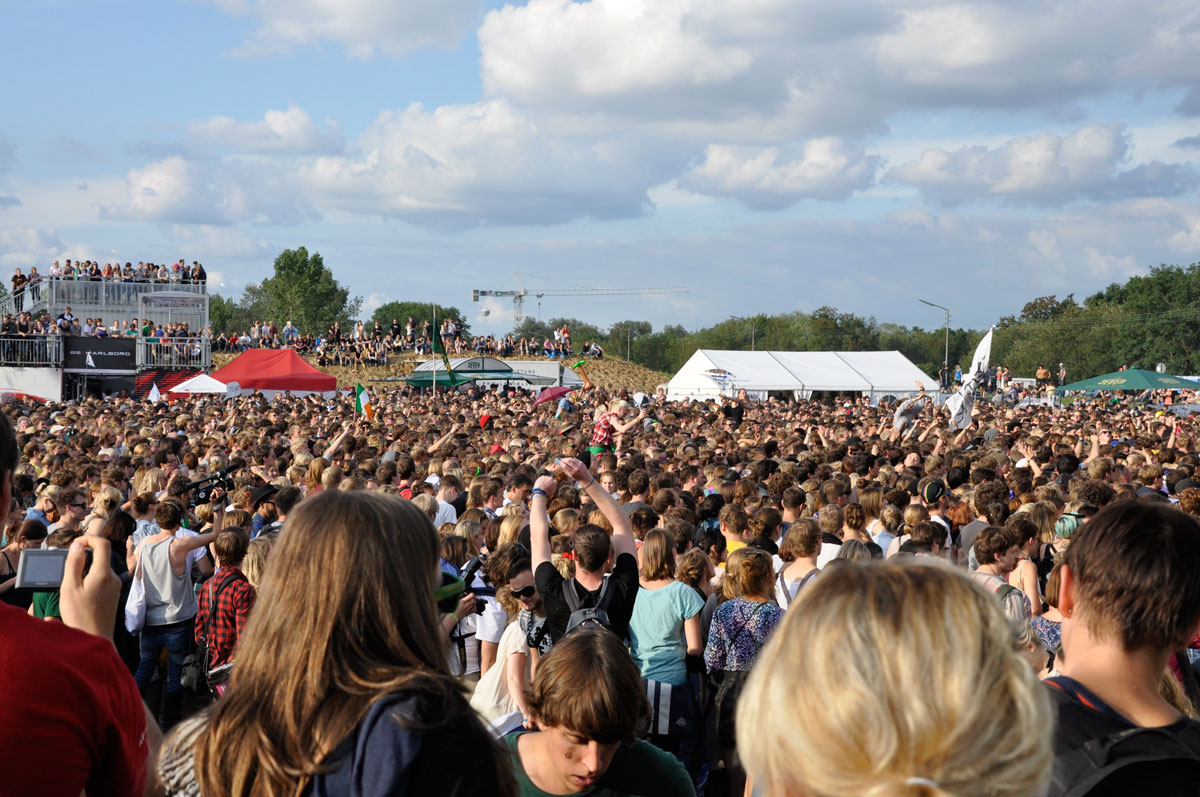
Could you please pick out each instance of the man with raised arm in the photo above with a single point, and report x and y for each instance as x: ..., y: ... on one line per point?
x: 597, y: 557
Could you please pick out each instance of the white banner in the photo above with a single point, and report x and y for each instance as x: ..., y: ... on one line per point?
x: 960, y: 403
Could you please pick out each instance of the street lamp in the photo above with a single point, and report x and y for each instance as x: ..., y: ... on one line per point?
x: 752, y: 326
x: 946, y: 357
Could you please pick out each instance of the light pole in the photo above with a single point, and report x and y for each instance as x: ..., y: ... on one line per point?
x: 749, y: 321
x: 946, y: 356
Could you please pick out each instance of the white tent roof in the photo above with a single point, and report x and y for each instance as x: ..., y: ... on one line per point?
x: 710, y: 372
x: 203, y: 383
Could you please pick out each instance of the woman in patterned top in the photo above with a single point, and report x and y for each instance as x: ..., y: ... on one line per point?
x: 740, y: 628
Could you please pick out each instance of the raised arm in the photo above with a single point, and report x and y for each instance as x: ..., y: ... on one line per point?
x: 622, y: 428
x: 622, y: 538
x: 539, y: 522
x: 455, y: 429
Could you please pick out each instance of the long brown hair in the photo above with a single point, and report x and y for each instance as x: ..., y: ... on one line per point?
x: 328, y: 637
x: 658, y: 556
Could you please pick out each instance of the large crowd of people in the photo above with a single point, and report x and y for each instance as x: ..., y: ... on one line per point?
x: 463, y: 593
x: 370, y: 343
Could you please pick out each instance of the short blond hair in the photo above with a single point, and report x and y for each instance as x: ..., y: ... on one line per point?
x: 957, y: 704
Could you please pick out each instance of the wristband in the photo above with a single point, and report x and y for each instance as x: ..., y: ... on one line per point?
x: 455, y: 616
x: 538, y: 491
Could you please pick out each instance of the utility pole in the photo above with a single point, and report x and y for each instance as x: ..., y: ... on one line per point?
x: 946, y: 356
x: 753, y: 327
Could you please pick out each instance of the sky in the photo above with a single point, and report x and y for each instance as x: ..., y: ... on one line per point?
x: 768, y: 155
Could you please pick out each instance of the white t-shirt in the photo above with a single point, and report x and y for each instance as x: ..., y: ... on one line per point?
x: 470, y: 644
x: 828, y: 553
x: 446, y: 514
x: 491, y: 624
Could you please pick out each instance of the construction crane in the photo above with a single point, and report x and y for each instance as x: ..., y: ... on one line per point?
x: 518, y: 295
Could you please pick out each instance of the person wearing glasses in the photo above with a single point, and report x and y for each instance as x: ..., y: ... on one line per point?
x: 72, y: 508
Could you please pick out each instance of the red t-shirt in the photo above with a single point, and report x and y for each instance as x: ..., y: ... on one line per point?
x: 72, y: 711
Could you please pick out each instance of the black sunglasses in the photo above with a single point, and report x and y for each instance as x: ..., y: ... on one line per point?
x: 526, y: 592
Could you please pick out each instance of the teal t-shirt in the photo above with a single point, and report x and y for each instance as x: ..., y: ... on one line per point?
x: 637, y: 770
x: 656, y: 631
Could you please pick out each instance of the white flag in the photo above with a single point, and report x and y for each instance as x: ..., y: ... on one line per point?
x: 960, y: 403
x: 90, y: 362
x: 154, y: 396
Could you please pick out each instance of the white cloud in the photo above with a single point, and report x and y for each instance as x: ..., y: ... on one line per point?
x: 280, y: 132
x: 1044, y: 169
x: 373, y: 301
x: 364, y: 27
x: 828, y: 67
x: 484, y: 163
x: 763, y: 177
x: 211, y: 193
x: 22, y: 247
x: 555, y: 48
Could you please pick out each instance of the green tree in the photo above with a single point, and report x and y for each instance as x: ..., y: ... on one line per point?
x: 303, y: 291
x: 622, y: 334
x: 419, y: 312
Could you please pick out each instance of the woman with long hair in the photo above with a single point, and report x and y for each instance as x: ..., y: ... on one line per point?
x: 959, y: 712
x: 344, y: 689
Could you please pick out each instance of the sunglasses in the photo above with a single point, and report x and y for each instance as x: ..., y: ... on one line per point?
x: 525, y: 593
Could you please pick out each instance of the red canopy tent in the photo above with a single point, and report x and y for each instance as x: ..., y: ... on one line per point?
x: 275, y: 369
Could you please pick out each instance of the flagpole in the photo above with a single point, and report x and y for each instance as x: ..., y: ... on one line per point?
x: 434, y: 335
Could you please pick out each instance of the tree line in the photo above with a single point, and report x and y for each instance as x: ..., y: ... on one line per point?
x: 1149, y: 319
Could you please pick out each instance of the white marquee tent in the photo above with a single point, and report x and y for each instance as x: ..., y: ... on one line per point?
x: 709, y: 373
x: 201, y: 383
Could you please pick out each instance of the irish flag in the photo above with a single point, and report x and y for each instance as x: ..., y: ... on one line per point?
x: 362, y: 402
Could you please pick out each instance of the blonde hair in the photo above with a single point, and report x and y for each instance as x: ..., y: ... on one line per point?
x: 958, y: 706
x: 254, y: 566
x: 107, y: 502
x: 149, y: 481
x: 427, y: 504
x: 510, y: 529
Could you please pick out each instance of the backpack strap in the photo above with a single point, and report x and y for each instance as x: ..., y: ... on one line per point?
x: 570, y: 595
x: 605, y: 596
x: 1089, y: 765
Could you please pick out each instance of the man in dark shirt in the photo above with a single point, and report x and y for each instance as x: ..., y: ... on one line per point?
x: 595, y: 554
x: 1129, y: 597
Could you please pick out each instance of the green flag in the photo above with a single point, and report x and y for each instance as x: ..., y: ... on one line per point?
x: 439, y: 347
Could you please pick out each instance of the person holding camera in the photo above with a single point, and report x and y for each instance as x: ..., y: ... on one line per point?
x: 162, y: 562
x: 98, y: 741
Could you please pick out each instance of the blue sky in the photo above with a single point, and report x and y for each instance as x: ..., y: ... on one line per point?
x: 768, y: 155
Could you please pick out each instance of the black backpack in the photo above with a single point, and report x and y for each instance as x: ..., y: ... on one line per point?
x: 593, y: 617
x: 1101, y: 762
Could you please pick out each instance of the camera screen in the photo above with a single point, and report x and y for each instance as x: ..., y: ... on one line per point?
x: 41, y: 568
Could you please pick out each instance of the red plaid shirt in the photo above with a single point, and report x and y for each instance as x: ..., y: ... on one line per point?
x: 602, y: 431
x: 234, y: 598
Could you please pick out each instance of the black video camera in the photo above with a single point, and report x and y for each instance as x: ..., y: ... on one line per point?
x: 202, y: 489
x: 472, y: 567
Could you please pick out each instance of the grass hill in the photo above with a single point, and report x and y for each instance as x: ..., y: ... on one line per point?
x: 611, y: 372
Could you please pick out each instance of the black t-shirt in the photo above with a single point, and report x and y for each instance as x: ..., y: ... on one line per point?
x: 623, y: 586
x: 734, y: 412
x: 1083, y: 717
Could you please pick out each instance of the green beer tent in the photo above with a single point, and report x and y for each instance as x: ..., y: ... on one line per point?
x: 1133, y: 379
